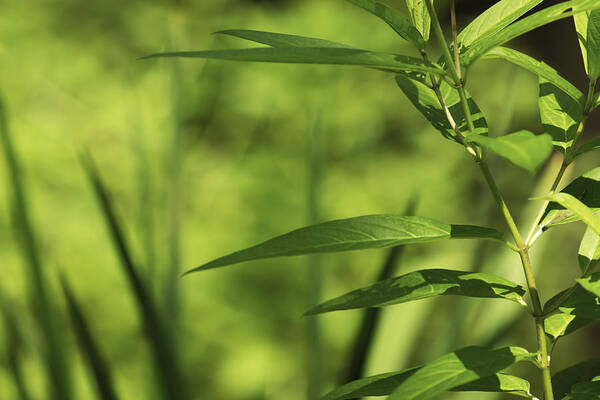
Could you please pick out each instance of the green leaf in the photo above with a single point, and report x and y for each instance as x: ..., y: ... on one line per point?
x: 522, y: 148
x: 494, y: 19
x: 593, y: 45
x: 585, y: 391
x: 365, y: 232
x: 426, y: 101
x: 562, y: 381
x: 591, y: 283
x: 395, y: 20
x: 314, y: 55
x: 455, y: 369
x: 550, y: 14
x: 560, y: 114
x: 419, y: 16
x: 570, y: 310
x: 587, y: 147
x: 421, y: 285
x: 576, y: 207
x: 589, y: 251
x: 538, y: 68
x: 280, y: 39
x: 384, y: 384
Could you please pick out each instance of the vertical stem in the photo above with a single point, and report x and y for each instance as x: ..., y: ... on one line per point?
x: 455, y: 38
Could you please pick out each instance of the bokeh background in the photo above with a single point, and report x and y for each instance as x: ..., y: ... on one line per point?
x: 206, y: 157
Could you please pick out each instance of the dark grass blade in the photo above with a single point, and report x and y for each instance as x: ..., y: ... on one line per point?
x: 14, y: 343
x: 40, y: 301
x: 165, y: 359
x: 89, y: 347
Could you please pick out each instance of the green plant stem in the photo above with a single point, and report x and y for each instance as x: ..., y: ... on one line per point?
x: 439, y: 34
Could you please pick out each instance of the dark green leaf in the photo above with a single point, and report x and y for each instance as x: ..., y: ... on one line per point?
x: 395, y: 20
x: 587, y: 147
x: 591, y: 284
x: 419, y: 17
x: 563, y: 380
x: 589, y: 251
x: 280, y: 39
x: 585, y: 391
x: 314, y: 55
x: 366, y: 232
x: 423, y: 284
x: 523, y: 148
x: 426, y: 101
x: 578, y: 208
x: 569, y: 311
x: 550, y: 14
x: 384, y: 384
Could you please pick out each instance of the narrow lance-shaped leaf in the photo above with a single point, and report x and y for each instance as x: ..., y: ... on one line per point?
x: 314, y: 55
x: 419, y: 16
x: 384, y: 384
x: 591, y: 283
x: 593, y: 45
x: 562, y: 381
x: 395, y: 20
x: 540, y: 18
x: 581, y: 26
x: 366, y: 232
x: 494, y: 19
x: 589, y: 251
x: 280, y: 39
x: 576, y: 207
x: 424, y: 284
x: 522, y: 148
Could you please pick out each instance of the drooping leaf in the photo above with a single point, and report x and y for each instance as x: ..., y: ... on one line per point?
x: 587, y: 147
x: 589, y: 251
x: 423, y: 284
x: 394, y: 19
x: 365, y: 232
x: 419, y: 16
x: 455, y: 369
x: 280, y: 39
x: 593, y: 45
x: 562, y: 381
x: 522, y: 148
x: 550, y: 14
x: 577, y: 208
x: 384, y: 384
x: 314, y: 55
x: 560, y: 114
x: 569, y: 311
x: 494, y: 19
x: 591, y: 283
x: 538, y: 68
x: 426, y: 101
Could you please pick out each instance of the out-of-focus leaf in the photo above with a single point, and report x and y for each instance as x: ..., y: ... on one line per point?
x: 426, y: 101
x: 562, y: 381
x: 585, y: 391
x: 550, y: 14
x: 365, y: 232
x: 395, y: 20
x: 420, y: 17
x: 589, y: 251
x: 494, y: 19
x: 280, y: 39
x: 591, y: 284
x: 522, y: 148
x: 577, y: 208
x: 574, y: 309
x: 587, y: 147
x: 384, y: 384
x: 423, y: 284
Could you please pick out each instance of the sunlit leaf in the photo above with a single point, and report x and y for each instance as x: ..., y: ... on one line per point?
x: 589, y: 251
x: 365, y: 232
x: 280, y: 39
x: 577, y: 207
x: 562, y: 381
x: 570, y: 310
x: 420, y: 17
x: 523, y: 148
x: 591, y: 284
x: 593, y: 45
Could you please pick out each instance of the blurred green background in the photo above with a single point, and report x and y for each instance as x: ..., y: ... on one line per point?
x: 206, y: 157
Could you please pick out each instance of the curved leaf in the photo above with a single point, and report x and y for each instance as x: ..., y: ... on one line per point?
x: 280, y: 39
x: 423, y: 284
x: 522, y: 148
x: 563, y: 380
x: 585, y: 390
x: 589, y: 251
x: 587, y: 147
x: 419, y: 16
x: 577, y: 208
x: 366, y: 232
x: 591, y: 284
x: 573, y: 309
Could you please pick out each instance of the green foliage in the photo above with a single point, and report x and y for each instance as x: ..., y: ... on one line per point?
x: 589, y: 251
x: 419, y: 16
x: 564, y: 380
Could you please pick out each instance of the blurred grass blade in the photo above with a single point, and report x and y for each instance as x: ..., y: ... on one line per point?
x: 591, y: 283
x: 423, y: 284
x: 523, y: 148
x: 395, y: 20
x: 494, y: 19
x: 562, y: 381
x: 589, y: 251
x: 14, y: 344
x: 419, y: 16
x: 165, y: 359
x: 365, y: 232
x: 315, y: 55
x: 550, y: 14
x: 97, y: 363
x: 280, y: 39
x: 41, y: 303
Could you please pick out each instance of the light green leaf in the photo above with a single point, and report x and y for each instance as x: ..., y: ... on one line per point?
x: 587, y: 147
x: 570, y: 310
x: 591, y: 284
x: 576, y: 207
x: 426, y: 101
x: 280, y: 39
x: 562, y: 381
x: 593, y: 45
x: 395, y: 20
x: 384, y: 384
x: 494, y: 19
x: 314, y: 55
x: 524, y: 25
x: 522, y: 148
x: 423, y: 284
x: 455, y: 369
x: 419, y: 16
x: 581, y: 26
x: 366, y: 232
x: 589, y: 251
x: 538, y: 68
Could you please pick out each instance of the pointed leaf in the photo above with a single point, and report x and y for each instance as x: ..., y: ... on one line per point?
x: 563, y: 380
x: 591, y: 284
x: 419, y: 16
x: 550, y: 14
x: 384, y: 384
x: 581, y: 26
x: 423, y: 284
x: 523, y: 148
x: 314, y: 55
x: 280, y: 39
x: 494, y: 19
x: 573, y: 309
x: 366, y: 232
x: 589, y: 251
x: 576, y: 207
x: 587, y: 147
x: 426, y: 101
x: 395, y: 20
x: 455, y: 369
